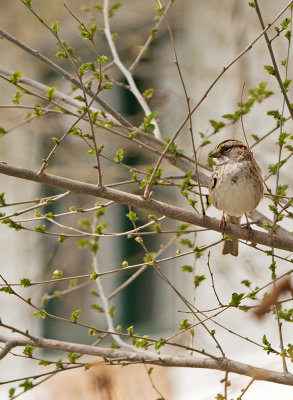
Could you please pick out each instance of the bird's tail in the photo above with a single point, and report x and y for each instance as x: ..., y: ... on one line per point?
x: 231, y: 245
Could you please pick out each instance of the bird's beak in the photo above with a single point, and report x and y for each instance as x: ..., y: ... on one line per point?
x: 215, y: 154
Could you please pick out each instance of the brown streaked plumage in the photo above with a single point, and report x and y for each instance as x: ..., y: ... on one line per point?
x: 236, y: 186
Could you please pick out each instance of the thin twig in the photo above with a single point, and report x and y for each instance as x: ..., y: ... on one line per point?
x: 132, y: 85
x: 149, y: 184
x: 275, y: 65
x: 149, y: 40
x: 212, y: 278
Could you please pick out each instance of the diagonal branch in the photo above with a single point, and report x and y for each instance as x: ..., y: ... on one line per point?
x: 276, y: 69
x: 277, y: 240
x: 225, y: 68
x: 60, y: 71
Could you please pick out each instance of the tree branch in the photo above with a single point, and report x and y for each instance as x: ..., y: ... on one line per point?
x: 276, y: 69
x: 65, y: 75
x: 221, y: 364
x: 170, y: 211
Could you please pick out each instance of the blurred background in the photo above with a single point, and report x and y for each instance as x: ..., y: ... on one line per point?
x: 208, y: 36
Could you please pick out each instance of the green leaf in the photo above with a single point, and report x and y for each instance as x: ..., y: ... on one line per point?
x: 173, y: 147
x: 79, y: 98
x: 84, y: 223
x: 272, y: 267
x: 282, y: 190
x: 94, y: 117
x: 161, y: 342
x: 12, y: 390
x: 142, y: 342
x: 268, y: 345
x: 138, y: 239
x: 28, y: 350
x: 270, y: 69
x: 55, y: 140
x: 54, y: 26
x: 246, y: 283
x: 103, y: 59
x: 130, y: 330
x: 286, y: 83
x: 184, y: 324
x: 50, y: 92
x: 157, y: 228
x: 91, y: 152
x: 60, y: 54
x: 99, y: 8
x: 16, y: 97
x: 11, y: 224
x: 285, y: 23
x: 113, y: 9
x: 98, y: 308
x: 101, y: 227
x: 288, y: 35
x: 57, y: 274
x: 119, y: 156
x: 38, y: 112
x: 282, y: 138
x: 236, y: 299
x: 147, y: 126
x: 93, y: 29
x: 73, y: 282
x: 132, y: 216
x: 27, y: 385
x: 25, y: 282
x: 62, y: 238
x: 131, y: 135
x: 186, y: 242
x: 94, y: 276
x: 251, y: 4
x: 198, y: 251
x: 186, y: 268
x: 107, y: 86
x: 40, y: 314
x: 40, y: 228
x: 217, y: 125
x: 274, y: 167
x: 198, y: 279
x: 15, y: 77
x: 92, y: 331
x: 72, y: 357
x: 83, y: 243
x: 6, y: 289
x: 147, y: 94
x: 101, y: 211
x: 75, y: 315
x: 2, y: 200
x: 44, y: 363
